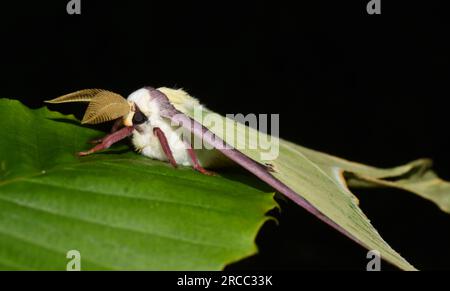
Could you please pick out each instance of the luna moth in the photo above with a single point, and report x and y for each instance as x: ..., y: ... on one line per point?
x: 315, y: 181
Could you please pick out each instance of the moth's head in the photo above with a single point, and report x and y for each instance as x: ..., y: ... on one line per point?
x: 140, y: 108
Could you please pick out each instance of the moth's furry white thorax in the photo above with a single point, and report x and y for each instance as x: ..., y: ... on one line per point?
x: 143, y: 138
x: 148, y: 144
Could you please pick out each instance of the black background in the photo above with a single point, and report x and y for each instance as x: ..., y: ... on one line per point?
x: 370, y: 88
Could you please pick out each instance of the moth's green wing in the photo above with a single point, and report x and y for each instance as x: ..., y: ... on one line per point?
x: 322, y: 187
x: 318, y: 177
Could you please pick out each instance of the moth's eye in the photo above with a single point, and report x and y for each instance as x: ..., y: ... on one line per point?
x: 139, y: 117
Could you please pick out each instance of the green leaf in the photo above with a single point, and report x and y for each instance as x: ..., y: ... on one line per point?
x: 119, y: 209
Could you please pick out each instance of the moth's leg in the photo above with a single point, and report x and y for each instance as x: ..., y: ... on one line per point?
x: 117, y: 124
x: 194, y: 159
x: 110, y: 139
x: 165, y: 145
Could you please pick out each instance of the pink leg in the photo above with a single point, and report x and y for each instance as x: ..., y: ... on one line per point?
x: 165, y: 145
x: 110, y: 139
x: 117, y: 124
x: 194, y: 159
